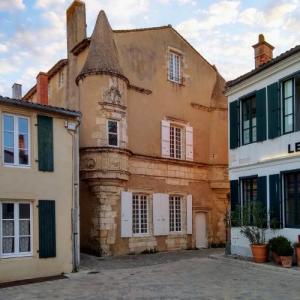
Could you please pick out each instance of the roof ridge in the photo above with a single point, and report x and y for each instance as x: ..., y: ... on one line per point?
x: 143, y: 28
x: 264, y: 66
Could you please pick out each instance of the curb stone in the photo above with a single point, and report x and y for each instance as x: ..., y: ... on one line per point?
x: 295, y: 270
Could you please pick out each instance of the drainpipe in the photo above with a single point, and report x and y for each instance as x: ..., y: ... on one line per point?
x: 73, y: 130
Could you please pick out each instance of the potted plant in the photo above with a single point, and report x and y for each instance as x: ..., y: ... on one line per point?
x: 297, y: 250
x: 252, y: 219
x: 285, y: 251
x: 273, y: 246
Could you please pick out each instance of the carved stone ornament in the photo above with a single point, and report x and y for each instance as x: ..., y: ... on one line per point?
x: 112, y: 95
x: 88, y: 163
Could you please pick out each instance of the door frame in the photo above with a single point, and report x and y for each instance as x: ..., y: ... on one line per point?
x: 207, y: 212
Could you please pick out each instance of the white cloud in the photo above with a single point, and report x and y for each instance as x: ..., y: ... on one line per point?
x: 3, y: 48
x: 119, y: 12
x: 49, y: 3
x: 9, y: 5
x: 212, y: 33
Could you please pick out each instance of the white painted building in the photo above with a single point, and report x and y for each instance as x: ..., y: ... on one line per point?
x: 264, y: 154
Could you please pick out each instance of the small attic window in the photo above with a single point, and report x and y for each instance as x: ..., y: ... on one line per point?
x: 61, y: 79
x: 174, y: 68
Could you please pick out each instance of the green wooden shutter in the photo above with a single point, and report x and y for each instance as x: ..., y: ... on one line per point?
x: 234, y: 111
x: 275, y: 215
x: 261, y: 115
x: 274, y: 111
x: 235, y: 202
x: 47, y: 229
x: 45, y: 143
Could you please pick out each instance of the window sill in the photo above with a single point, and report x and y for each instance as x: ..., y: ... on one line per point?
x: 17, y: 166
x: 140, y: 235
x: 179, y: 83
x: 8, y: 256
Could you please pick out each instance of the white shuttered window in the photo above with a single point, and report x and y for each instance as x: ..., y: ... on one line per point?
x: 175, y: 213
x: 176, y: 141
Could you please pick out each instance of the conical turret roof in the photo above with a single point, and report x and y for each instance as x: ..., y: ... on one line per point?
x: 103, y: 55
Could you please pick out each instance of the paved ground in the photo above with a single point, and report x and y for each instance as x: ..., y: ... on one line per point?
x: 178, y: 275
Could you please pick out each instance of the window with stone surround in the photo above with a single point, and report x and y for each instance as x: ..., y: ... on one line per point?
x: 15, y: 229
x: 174, y: 68
x: 139, y: 214
x: 113, y: 133
x: 175, y: 213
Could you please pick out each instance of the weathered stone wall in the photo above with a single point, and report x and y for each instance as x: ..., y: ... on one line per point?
x: 207, y: 184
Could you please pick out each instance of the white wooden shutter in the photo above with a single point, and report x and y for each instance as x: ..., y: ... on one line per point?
x: 160, y: 214
x: 189, y: 214
x: 189, y: 153
x: 165, y: 138
x: 126, y: 214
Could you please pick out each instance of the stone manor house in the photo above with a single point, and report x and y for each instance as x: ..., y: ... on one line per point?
x: 153, y: 136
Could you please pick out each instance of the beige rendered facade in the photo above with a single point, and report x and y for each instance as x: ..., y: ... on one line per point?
x: 153, y: 137
x: 29, y: 191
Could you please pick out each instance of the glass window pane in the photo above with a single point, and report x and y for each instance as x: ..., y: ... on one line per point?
x: 24, y: 244
x: 288, y: 88
x: 113, y: 139
x: 23, y: 141
x: 23, y: 157
x: 254, y: 134
x: 8, y: 245
x: 288, y: 106
x: 112, y: 126
x: 8, y: 123
x: 246, y: 136
x: 9, y: 155
x: 24, y: 211
x: 246, y: 124
x: 23, y: 125
x: 24, y: 227
x: 288, y: 123
x: 8, y: 139
x: 7, y: 210
x: 8, y: 228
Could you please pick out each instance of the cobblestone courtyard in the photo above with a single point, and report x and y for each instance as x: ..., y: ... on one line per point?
x: 177, y: 275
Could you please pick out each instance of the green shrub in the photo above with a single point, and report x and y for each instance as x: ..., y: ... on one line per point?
x: 275, y: 242
x: 285, y: 249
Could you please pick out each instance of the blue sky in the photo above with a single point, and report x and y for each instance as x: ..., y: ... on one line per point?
x: 32, y: 32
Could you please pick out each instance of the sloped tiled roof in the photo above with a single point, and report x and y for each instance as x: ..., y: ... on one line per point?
x: 38, y: 106
x: 56, y: 68
x: 270, y: 63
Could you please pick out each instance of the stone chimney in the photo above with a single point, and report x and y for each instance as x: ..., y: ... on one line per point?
x: 42, y: 88
x: 76, y: 24
x: 263, y: 51
x: 17, y: 91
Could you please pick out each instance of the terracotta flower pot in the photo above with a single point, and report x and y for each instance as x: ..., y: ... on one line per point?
x: 298, y: 256
x: 286, y: 261
x: 276, y: 258
x: 260, y: 253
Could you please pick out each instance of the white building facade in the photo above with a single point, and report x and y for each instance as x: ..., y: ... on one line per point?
x: 264, y: 139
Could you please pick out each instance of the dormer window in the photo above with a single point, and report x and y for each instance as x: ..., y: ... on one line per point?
x: 174, y: 67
